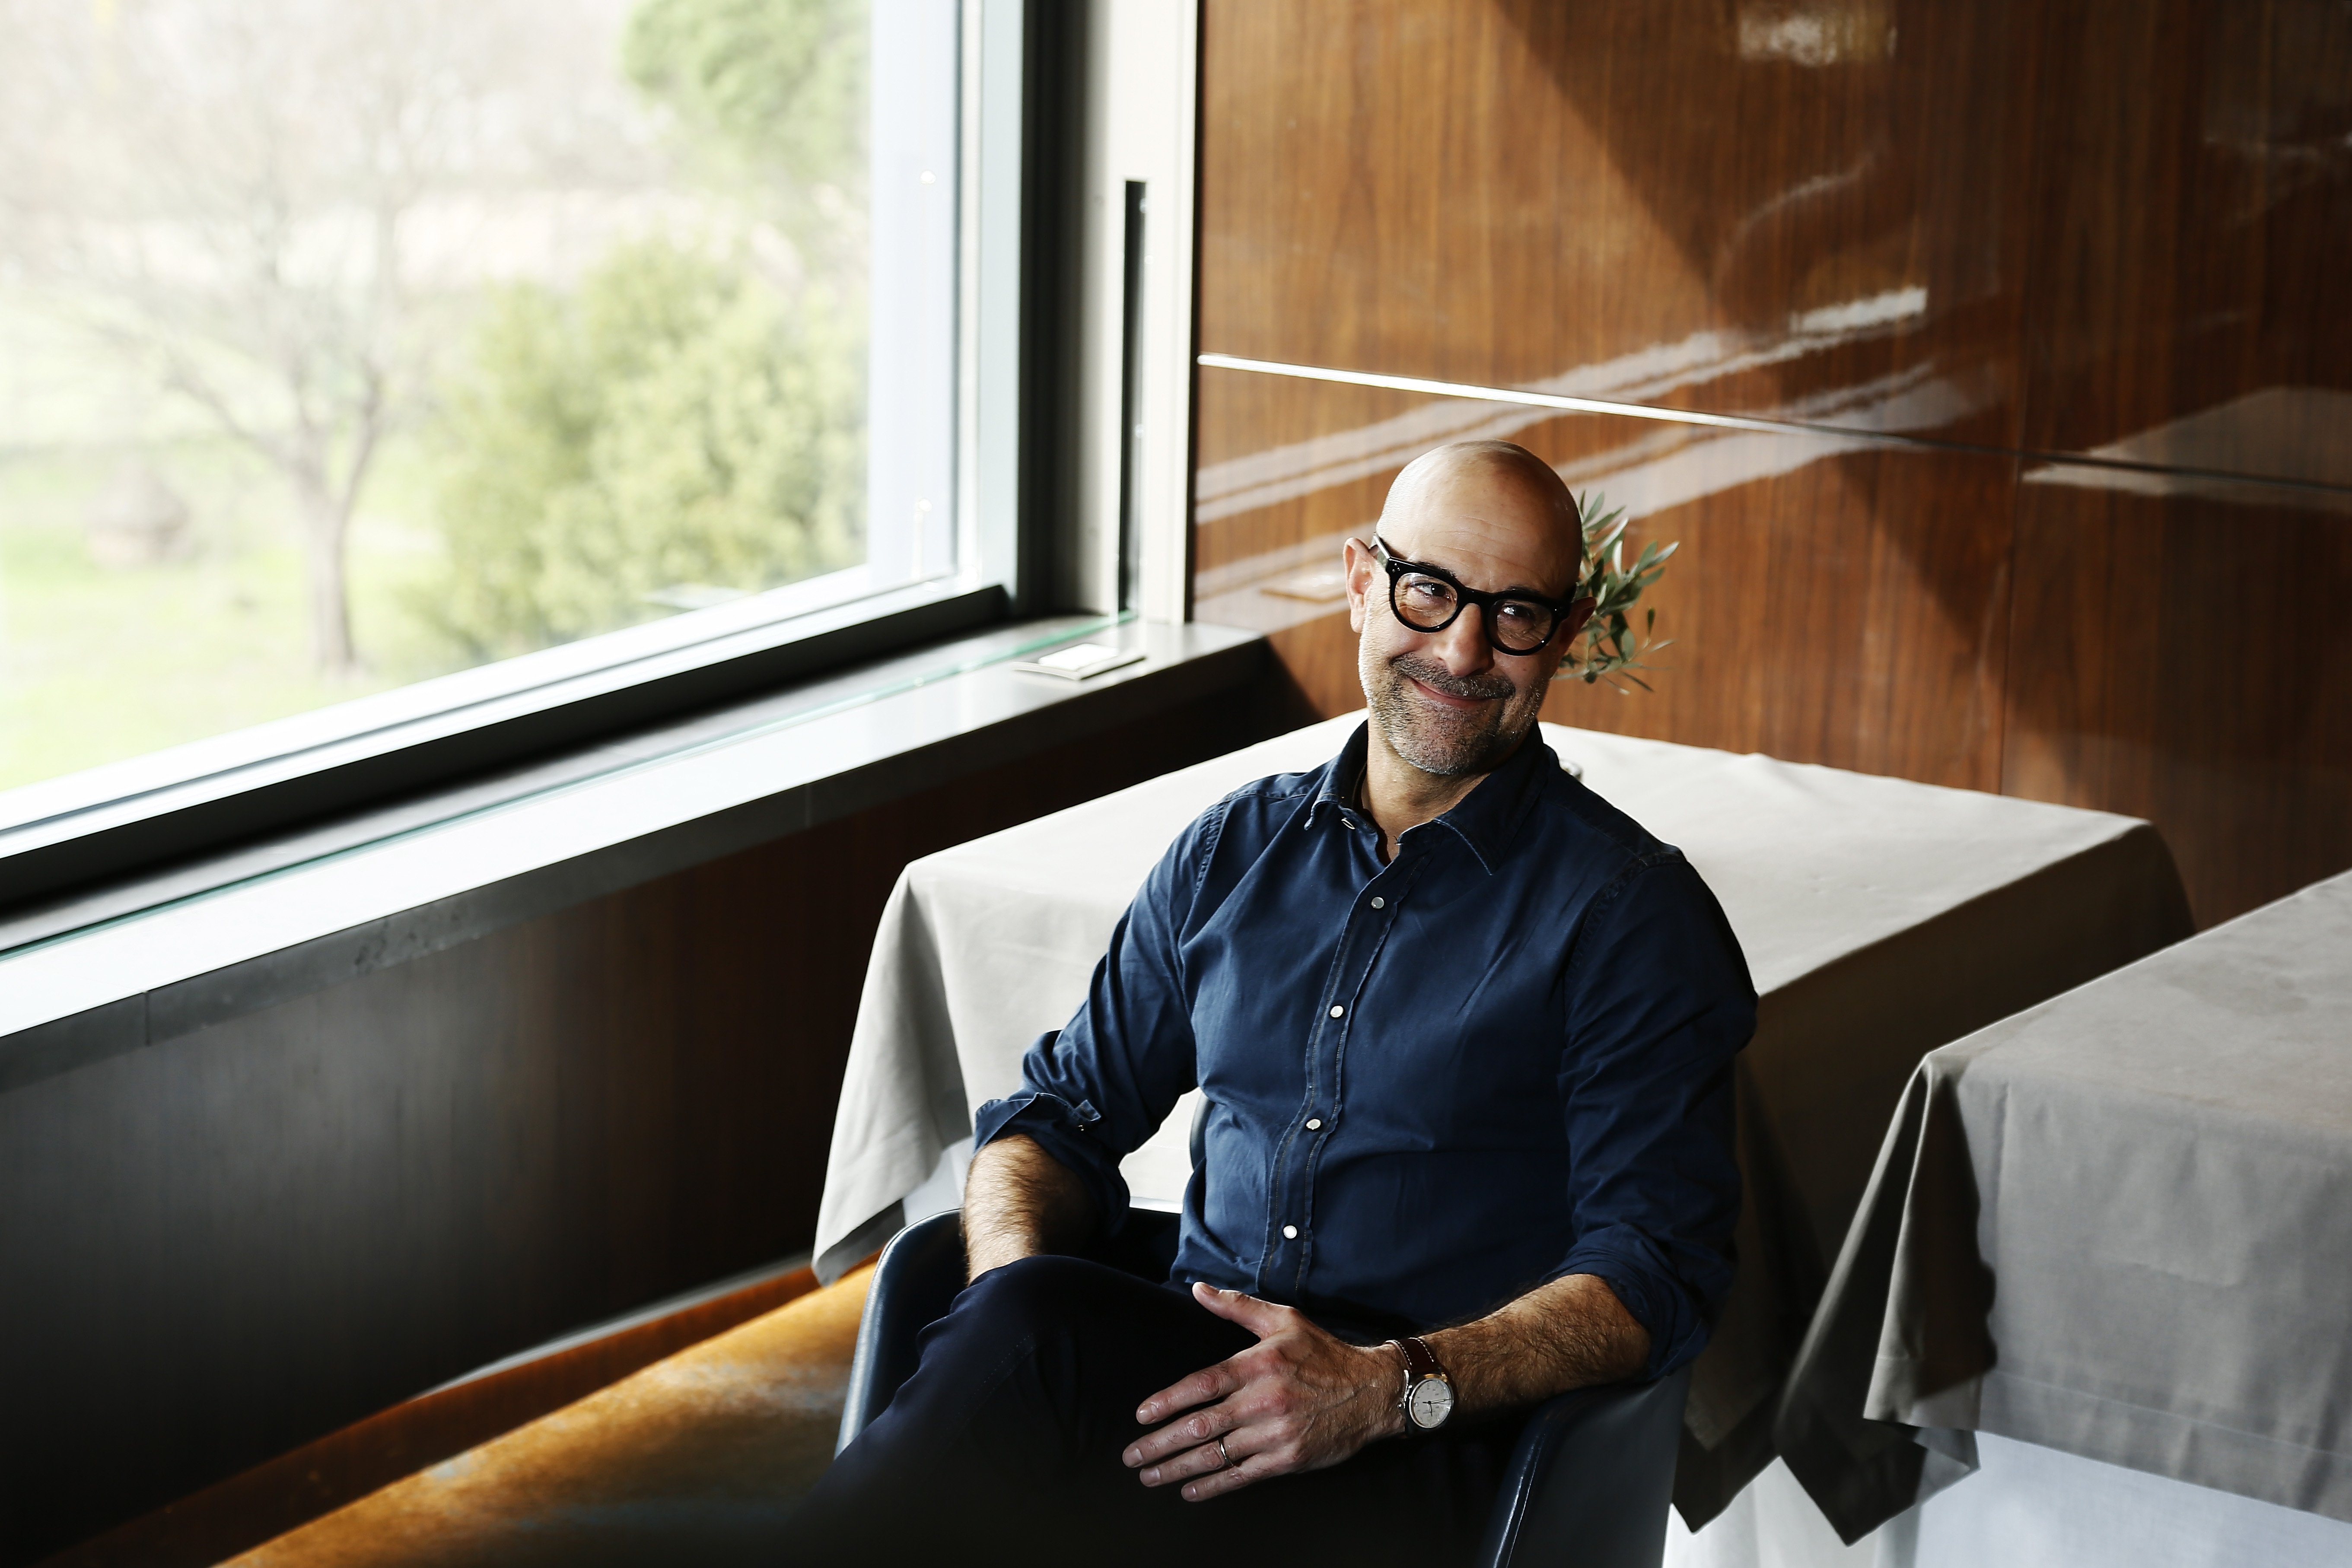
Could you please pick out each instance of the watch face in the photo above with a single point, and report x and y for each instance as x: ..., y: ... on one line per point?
x: 1432, y: 1402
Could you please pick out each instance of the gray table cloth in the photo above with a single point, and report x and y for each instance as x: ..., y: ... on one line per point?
x: 1881, y: 919
x: 2119, y: 1224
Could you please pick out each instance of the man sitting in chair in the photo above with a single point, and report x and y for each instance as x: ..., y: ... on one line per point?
x: 1465, y: 1036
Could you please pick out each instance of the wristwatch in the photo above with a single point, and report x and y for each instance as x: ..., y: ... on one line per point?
x: 1428, y: 1397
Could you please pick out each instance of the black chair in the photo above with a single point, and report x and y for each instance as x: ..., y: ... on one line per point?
x: 1590, y: 1480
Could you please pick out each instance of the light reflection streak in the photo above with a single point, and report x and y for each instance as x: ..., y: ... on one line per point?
x: 2300, y: 433
x: 1283, y: 473
x: 1693, y: 455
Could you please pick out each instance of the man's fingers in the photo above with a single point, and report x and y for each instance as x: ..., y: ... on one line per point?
x: 1190, y: 1464
x: 1226, y: 1478
x: 1260, y: 1318
x: 1205, y: 1472
x: 1201, y: 1426
x: 1209, y: 1383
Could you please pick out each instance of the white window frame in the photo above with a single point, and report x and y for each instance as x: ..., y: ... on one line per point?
x: 1143, y: 127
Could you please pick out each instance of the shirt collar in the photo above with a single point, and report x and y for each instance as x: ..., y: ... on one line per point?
x: 1486, y: 819
x: 1339, y: 786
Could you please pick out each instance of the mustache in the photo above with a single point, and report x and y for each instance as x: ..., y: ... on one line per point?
x: 1437, y: 678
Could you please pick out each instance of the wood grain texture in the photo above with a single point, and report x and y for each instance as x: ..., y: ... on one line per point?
x: 2181, y: 652
x: 2192, y: 202
x: 1760, y: 208
x: 2109, y: 229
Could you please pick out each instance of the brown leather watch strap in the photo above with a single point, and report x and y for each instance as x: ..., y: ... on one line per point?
x: 1420, y: 1360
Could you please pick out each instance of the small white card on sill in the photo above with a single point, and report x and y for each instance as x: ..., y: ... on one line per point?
x: 1080, y: 660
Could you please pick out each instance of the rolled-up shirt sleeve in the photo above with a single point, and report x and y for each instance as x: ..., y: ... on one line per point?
x: 1658, y: 1004
x: 1094, y: 1090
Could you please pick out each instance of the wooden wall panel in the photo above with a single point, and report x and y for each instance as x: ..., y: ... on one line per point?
x: 1996, y: 231
x: 1686, y: 202
x: 2192, y: 192
x: 2182, y: 652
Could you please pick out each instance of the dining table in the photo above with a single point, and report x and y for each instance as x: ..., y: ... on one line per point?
x: 2109, y: 1237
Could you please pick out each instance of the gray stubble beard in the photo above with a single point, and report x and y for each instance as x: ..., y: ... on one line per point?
x: 1431, y: 741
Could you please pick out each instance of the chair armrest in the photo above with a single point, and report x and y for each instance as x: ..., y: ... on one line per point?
x: 914, y: 1284
x: 1591, y: 1478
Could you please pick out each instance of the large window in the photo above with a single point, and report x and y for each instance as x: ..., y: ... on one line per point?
x: 344, y: 346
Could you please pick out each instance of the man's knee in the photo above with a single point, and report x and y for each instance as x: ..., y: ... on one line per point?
x: 1022, y: 1343
x: 1040, y: 1294
x: 1057, y: 1314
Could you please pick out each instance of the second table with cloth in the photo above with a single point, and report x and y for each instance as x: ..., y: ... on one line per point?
x: 1880, y: 918
x: 2118, y: 1225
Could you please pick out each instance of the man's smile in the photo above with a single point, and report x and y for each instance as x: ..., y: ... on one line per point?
x: 1447, y: 698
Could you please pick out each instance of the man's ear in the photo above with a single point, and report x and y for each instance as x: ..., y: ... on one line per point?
x: 1580, y: 615
x: 1358, y: 563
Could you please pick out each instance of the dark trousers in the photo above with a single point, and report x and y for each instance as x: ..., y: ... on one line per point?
x: 1004, y: 1447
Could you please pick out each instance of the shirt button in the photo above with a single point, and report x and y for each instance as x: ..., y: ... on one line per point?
x: 1313, y: 1123
x: 1378, y: 902
x: 1337, y: 1011
x: 1290, y: 1233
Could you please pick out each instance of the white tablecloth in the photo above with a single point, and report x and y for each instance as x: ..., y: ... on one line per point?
x: 2113, y: 1225
x: 2026, y: 1506
x: 1881, y: 919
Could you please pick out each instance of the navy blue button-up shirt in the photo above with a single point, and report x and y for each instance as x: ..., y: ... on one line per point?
x: 1434, y: 1083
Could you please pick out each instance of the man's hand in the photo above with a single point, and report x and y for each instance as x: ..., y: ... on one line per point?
x: 1301, y: 1399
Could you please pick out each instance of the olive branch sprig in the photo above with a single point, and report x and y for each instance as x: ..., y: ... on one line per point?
x: 1612, y: 647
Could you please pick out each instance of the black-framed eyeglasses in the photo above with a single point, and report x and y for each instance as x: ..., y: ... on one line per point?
x: 1430, y: 599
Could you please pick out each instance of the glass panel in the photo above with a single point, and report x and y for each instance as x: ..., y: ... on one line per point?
x: 344, y: 346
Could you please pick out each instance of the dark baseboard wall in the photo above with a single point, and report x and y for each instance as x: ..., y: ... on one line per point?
x: 220, y: 1247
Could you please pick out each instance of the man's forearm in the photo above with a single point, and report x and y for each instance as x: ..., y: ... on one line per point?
x: 1019, y: 1201
x: 1571, y: 1333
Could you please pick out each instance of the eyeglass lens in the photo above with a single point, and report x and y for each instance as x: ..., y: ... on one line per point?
x: 1430, y: 603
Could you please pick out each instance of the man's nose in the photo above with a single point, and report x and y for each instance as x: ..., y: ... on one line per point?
x: 1462, y: 645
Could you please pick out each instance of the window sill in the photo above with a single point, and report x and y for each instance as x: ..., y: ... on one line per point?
x: 79, y: 831
x: 286, y: 918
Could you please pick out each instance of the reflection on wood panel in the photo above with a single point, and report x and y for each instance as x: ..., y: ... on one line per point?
x: 2192, y: 194
x: 1838, y: 600
x: 2107, y: 229
x: 2053, y: 226
x: 2181, y: 652
x: 1691, y: 203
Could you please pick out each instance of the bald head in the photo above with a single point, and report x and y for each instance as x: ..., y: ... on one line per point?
x: 1494, y: 497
